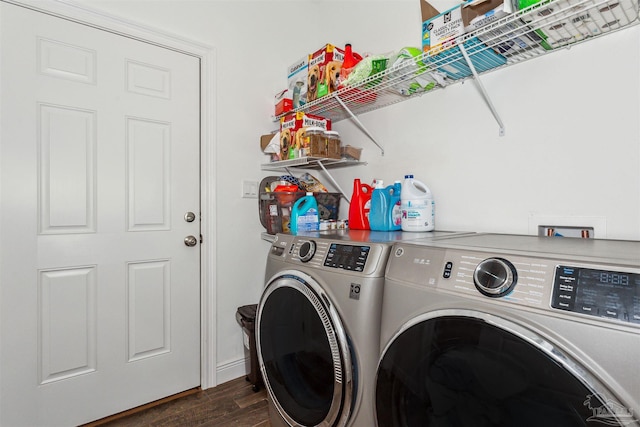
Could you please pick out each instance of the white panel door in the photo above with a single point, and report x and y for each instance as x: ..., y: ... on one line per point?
x: 99, y: 162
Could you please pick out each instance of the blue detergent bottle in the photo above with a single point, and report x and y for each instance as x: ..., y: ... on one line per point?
x: 304, y: 215
x: 379, y: 218
x: 395, y: 208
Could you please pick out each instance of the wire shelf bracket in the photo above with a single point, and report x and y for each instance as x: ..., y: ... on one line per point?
x: 360, y: 124
x: 483, y: 91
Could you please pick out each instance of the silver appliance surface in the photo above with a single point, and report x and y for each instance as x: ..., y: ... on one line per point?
x: 341, y: 274
x: 575, y: 301
x: 615, y: 250
x: 381, y: 236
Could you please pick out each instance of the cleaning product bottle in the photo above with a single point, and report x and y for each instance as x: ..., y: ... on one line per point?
x: 395, y: 208
x: 304, y: 215
x: 379, y: 214
x: 418, y: 206
x: 360, y: 206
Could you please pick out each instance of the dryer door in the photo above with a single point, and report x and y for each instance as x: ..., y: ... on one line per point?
x: 304, y: 352
x: 467, y: 368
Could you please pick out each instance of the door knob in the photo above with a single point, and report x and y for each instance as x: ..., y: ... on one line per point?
x: 190, y: 241
x: 189, y: 217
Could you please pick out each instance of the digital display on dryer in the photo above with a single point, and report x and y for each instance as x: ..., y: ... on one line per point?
x: 601, y: 293
x: 347, y: 257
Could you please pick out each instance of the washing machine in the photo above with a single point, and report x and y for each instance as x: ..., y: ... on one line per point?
x: 507, y: 330
x: 318, y: 325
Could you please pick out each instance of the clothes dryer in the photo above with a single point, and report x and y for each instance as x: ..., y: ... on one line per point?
x: 318, y: 325
x: 504, y: 330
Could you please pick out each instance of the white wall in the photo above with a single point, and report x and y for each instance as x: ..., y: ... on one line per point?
x: 572, y: 128
x: 571, y: 146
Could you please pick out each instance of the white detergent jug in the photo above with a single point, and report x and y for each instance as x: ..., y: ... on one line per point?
x: 417, y: 206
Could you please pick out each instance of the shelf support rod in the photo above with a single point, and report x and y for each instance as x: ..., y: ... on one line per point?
x: 478, y: 81
x: 333, y: 181
x: 360, y: 125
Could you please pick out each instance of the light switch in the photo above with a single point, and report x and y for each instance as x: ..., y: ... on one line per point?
x: 249, y: 189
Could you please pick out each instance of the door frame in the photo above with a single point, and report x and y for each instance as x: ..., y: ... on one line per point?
x: 77, y: 12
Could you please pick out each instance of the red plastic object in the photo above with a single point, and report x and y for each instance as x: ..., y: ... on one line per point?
x: 360, y: 206
x: 350, y: 58
x: 290, y: 187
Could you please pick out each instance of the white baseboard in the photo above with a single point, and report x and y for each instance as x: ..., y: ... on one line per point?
x: 232, y: 370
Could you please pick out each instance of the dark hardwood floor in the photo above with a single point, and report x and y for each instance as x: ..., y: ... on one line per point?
x: 230, y: 404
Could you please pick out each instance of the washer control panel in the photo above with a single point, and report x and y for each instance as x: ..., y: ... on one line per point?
x: 601, y: 293
x: 331, y: 253
x: 347, y: 257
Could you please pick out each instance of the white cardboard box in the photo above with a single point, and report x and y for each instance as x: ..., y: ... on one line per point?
x: 297, y: 81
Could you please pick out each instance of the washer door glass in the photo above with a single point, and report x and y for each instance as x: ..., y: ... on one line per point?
x: 301, y: 359
x: 464, y: 371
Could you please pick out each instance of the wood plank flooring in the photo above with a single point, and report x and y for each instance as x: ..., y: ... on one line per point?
x: 230, y: 404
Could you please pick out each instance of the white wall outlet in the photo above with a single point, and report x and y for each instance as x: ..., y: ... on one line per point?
x: 249, y: 189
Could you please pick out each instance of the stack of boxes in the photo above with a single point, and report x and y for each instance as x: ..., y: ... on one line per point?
x: 308, y: 79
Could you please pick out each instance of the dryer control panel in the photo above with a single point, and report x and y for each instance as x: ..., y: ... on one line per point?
x: 601, y: 293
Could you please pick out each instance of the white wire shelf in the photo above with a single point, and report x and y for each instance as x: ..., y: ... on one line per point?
x: 320, y: 163
x: 537, y: 30
x: 309, y: 163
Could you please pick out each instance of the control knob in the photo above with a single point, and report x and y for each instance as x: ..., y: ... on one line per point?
x: 307, y: 251
x: 495, y: 277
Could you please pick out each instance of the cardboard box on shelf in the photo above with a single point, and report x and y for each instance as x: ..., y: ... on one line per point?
x: 270, y: 144
x: 297, y: 81
x: 350, y: 152
x: 264, y: 141
x: 291, y: 130
x: 441, y: 30
x: 283, y: 102
x: 477, y: 14
x: 324, y: 71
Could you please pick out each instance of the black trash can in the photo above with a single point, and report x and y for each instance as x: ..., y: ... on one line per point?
x: 246, y: 317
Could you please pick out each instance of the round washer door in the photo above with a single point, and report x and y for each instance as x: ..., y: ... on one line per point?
x: 304, y: 352
x: 467, y: 368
